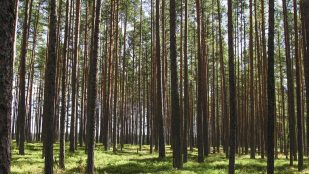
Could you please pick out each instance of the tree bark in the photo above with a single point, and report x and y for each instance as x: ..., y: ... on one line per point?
x: 298, y: 93
x: 233, y: 111
x: 49, y: 90
x: 186, y: 90
x: 22, y: 82
x: 63, y: 88
x: 199, y: 117
x: 271, y: 91
x: 176, y: 123
x: 291, y: 110
x: 7, y: 35
x: 92, y: 89
x: 305, y: 16
x: 159, y: 95
x: 74, y: 83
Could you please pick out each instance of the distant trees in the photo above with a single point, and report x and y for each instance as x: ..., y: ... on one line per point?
x: 107, y: 72
x: 7, y: 38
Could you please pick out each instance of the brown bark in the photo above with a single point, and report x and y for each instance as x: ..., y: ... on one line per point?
x: 7, y: 35
x: 49, y: 90
x: 92, y: 89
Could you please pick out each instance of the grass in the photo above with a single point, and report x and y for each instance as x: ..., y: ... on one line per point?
x: 132, y: 161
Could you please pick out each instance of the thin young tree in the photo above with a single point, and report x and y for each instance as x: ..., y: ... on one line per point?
x: 233, y: 116
x: 7, y: 35
x: 49, y: 89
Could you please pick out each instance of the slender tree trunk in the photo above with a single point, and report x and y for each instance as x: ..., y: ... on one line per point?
x: 63, y: 87
x: 290, y: 84
x: 199, y: 117
x: 233, y: 111
x: 22, y: 82
x: 186, y: 84
x: 122, y: 138
x: 298, y: 93
x: 116, y: 81
x: 252, y: 112
x: 159, y: 95
x: 305, y: 19
x: 271, y: 91
x: 92, y: 89
x: 224, y: 103
x: 74, y: 65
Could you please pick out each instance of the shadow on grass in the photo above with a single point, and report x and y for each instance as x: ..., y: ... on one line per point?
x: 133, y: 167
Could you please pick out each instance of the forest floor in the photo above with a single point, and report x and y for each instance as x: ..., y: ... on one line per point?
x: 130, y: 160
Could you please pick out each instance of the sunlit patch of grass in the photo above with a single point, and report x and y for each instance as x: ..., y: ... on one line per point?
x: 131, y: 160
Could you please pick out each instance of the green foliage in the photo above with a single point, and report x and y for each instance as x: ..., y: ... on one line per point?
x: 130, y: 160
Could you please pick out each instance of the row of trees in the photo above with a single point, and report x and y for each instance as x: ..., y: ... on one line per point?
x: 106, y: 72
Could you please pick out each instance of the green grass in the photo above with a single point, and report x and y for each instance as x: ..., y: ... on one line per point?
x: 131, y: 161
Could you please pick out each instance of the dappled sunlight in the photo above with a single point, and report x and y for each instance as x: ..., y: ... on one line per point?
x: 130, y: 160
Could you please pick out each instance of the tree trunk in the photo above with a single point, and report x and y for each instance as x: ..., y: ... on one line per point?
x: 186, y: 90
x: 74, y: 64
x: 290, y: 84
x: 176, y: 124
x: 159, y: 95
x: 271, y: 91
x: 305, y: 16
x: 92, y: 89
x: 199, y: 117
x: 298, y: 93
x: 63, y: 88
x: 7, y: 21
x: 116, y: 80
x: 233, y: 111
x: 22, y: 82
x: 49, y: 90
x: 252, y: 112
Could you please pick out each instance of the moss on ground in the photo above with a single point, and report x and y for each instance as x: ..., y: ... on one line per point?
x: 130, y: 160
